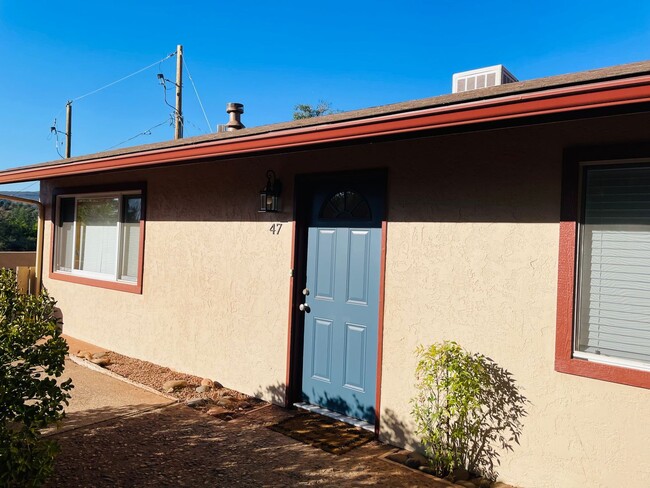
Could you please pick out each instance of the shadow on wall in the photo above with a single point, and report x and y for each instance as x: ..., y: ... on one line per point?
x: 508, y: 175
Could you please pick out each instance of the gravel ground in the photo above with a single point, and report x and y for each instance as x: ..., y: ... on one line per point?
x: 231, y: 403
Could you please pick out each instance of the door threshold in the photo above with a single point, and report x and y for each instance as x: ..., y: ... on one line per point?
x: 336, y: 416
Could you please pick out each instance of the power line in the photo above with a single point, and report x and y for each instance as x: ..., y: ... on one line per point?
x: 189, y: 75
x: 124, y: 78
x: 147, y: 132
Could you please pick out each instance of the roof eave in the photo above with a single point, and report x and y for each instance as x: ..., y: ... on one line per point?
x: 555, y: 100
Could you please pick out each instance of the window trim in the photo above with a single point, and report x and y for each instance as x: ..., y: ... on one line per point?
x: 570, y: 211
x: 98, y: 191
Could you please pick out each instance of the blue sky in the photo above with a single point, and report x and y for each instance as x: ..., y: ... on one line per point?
x: 273, y: 55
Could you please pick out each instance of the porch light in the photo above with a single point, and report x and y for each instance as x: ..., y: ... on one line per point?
x: 270, y: 195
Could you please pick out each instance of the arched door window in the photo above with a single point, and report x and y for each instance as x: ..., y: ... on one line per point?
x: 346, y: 205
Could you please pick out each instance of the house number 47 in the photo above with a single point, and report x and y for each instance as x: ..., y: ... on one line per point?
x: 275, y: 229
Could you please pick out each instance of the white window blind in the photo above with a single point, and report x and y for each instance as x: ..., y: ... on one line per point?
x: 614, y: 274
x: 98, y: 236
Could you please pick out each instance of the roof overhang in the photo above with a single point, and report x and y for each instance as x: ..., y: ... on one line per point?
x: 620, y: 92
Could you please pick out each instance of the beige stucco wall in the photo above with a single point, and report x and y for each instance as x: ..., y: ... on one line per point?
x: 472, y: 251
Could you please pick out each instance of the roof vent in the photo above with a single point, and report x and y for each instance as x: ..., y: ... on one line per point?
x: 481, y: 78
x: 234, y: 110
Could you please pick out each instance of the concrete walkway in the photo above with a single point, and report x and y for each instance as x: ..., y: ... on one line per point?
x: 97, y: 397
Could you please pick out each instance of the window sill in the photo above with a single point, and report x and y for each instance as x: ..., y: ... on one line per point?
x: 109, y: 285
x: 604, y: 372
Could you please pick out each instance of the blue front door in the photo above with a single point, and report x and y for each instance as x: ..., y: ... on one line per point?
x: 342, y: 300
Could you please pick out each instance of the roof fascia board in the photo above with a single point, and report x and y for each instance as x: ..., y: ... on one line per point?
x: 594, y: 95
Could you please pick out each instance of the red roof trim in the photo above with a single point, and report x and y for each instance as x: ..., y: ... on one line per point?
x: 594, y: 95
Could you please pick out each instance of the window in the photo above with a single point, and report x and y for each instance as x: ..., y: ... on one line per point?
x: 613, y: 313
x: 604, y: 276
x: 98, y: 238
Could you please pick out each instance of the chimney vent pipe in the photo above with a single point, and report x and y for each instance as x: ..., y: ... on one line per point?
x: 234, y: 110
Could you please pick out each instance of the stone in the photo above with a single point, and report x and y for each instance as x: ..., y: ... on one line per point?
x: 412, y: 463
x: 217, y: 384
x: 227, y: 402
x: 500, y: 484
x: 172, y: 385
x: 217, y: 411
x: 398, y: 458
x: 208, y: 383
x: 465, y: 483
x: 99, y: 355
x: 419, y: 457
x: 85, y: 355
x: 460, y: 474
x: 101, y: 361
x: 427, y: 470
x: 202, y: 389
x: 196, y: 402
x: 482, y: 482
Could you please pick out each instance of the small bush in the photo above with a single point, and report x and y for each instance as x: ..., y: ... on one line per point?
x: 32, y: 357
x: 467, y: 407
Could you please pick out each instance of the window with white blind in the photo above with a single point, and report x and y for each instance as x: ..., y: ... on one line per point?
x: 97, y: 236
x: 613, y: 299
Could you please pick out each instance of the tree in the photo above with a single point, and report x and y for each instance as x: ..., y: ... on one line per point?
x: 18, y: 223
x: 304, y: 111
x: 32, y: 357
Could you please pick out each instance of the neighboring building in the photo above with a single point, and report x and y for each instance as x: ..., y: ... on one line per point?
x: 513, y: 219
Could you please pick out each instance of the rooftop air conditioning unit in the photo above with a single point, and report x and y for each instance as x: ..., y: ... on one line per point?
x: 481, y: 78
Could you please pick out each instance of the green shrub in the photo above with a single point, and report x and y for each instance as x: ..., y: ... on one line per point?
x: 466, y: 409
x: 32, y: 357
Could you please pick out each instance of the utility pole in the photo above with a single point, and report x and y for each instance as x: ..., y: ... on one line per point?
x: 178, y: 129
x: 68, y: 128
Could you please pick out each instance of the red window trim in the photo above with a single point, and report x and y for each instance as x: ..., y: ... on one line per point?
x: 567, y: 259
x: 110, y: 285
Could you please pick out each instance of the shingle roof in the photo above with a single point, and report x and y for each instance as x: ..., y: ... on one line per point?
x: 511, y: 89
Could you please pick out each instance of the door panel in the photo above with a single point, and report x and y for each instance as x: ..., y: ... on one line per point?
x: 342, y: 278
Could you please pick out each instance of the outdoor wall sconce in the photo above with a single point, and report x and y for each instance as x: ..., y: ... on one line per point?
x: 270, y: 195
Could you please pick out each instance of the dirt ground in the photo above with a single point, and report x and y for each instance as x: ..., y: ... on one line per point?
x: 176, y: 445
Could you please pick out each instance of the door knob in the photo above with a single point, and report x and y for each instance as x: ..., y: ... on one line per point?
x: 305, y: 291
x: 304, y: 307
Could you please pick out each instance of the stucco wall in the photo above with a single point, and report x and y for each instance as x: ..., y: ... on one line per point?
x: 472, y: 251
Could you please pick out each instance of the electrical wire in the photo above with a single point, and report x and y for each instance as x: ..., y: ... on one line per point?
x: 124, y: 78
x: 146, y: 132
x: 189, y: 75
x: 55, y: 130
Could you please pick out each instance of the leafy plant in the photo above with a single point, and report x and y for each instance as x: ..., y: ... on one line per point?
x: 32, y: 357
x: 466, y: 409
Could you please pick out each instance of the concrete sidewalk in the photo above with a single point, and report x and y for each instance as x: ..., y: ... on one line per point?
x: 97, y: 398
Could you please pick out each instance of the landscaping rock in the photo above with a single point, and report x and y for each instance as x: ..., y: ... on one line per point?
x: 398, y: 457
x: 172, y: 385
x: 99, y: 355
x: 460, y: 474
x: 481, y: 482
x: 101, y: 361
x: 218, y: 411
x: 419, y: 458
x: 412, y: 463
x: 207, y: 383
x: 227, y: 402
x: 500, y: 484
x: 217, y: 385
x: 84, y: 355
x: 196, y: 402
x: 202, y: 389
x: 465, y: 483
x: 427, y: 470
